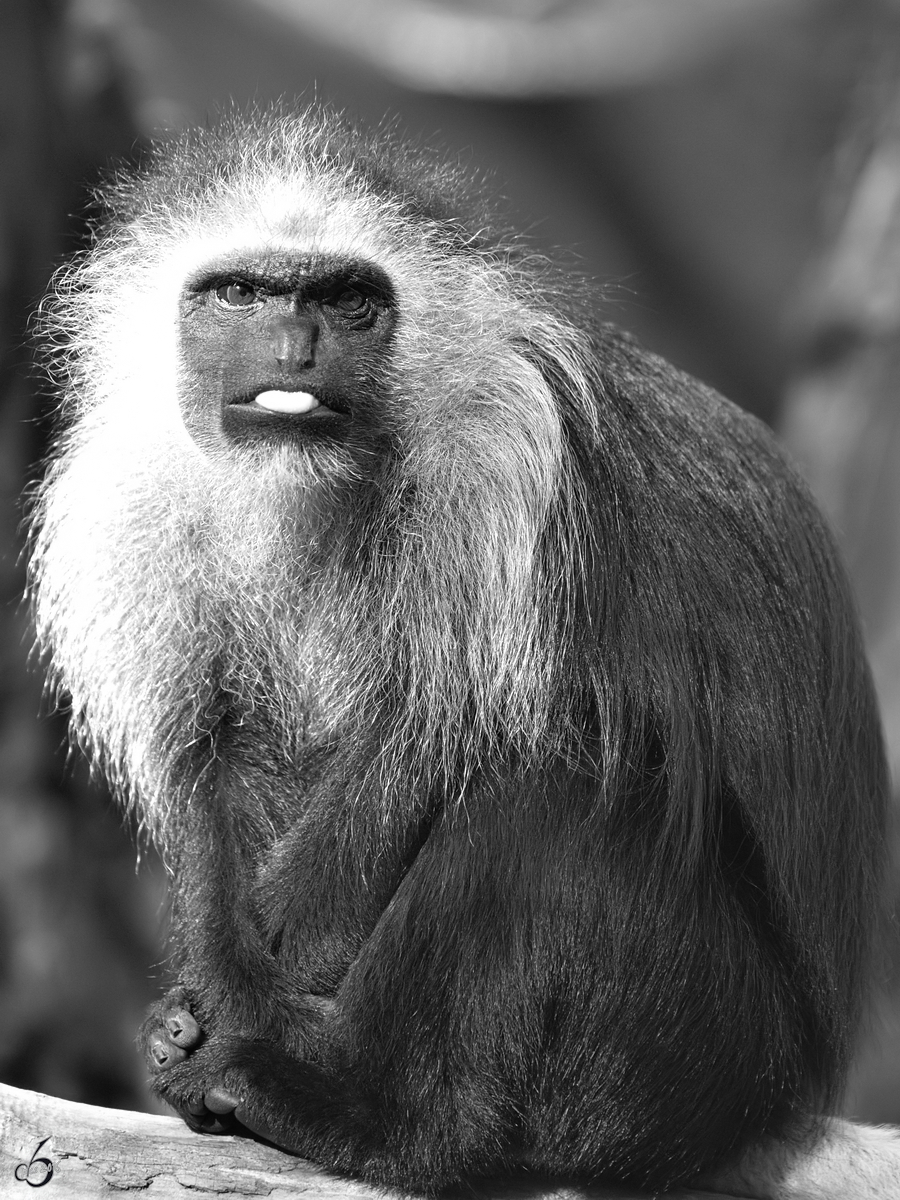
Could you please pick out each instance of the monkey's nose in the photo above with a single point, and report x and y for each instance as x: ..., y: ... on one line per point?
x: 294, y: 344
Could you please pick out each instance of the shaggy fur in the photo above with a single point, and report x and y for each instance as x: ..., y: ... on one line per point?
x: 515, y: 755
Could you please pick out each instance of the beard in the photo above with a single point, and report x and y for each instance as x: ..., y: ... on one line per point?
x: 172, y: 586
x: 398, y: 601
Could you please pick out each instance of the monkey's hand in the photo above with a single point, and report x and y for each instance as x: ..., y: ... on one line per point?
x: 219, y: 1082
x: 170, y: 1032
x: 167, y: 1037
x: 238, y: 1085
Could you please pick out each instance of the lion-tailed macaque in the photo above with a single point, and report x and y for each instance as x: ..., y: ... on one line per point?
x: 491, y: 688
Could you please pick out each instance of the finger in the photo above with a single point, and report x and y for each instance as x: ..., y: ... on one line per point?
x: 163, y: 1053
x: 221, y: 1100
x: 182, y: 1028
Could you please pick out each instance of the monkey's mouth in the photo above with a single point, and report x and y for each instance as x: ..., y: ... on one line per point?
x: 282, y: 402
x: 287, y: 402
x: 277, y: 414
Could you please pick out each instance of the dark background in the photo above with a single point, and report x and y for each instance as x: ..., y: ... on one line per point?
x: 719, y: 191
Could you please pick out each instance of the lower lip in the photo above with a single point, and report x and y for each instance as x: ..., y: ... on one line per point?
x: 244, y: 421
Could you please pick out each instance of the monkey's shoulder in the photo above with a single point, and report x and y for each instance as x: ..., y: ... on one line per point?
x: 680, y: 449
x: 661, y: 407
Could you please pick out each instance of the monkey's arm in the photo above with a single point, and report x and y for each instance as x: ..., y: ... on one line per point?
x: 310, y: 1079
x: 267, y: 929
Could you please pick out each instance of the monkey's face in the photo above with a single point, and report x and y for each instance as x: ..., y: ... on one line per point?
x: 284, y: 347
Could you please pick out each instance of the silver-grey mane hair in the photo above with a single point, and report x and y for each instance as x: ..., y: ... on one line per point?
x: 162, y: 573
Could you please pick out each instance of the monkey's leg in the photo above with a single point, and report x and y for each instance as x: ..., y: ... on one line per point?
x: 473, y: 1032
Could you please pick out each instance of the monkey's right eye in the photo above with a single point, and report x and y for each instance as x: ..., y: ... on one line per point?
x: 237, y: 294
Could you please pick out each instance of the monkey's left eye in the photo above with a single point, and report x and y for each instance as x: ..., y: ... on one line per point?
x: 236, y: 294
x: 348, y: 300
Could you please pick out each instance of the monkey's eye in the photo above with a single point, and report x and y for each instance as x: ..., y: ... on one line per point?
x: 236, y: 294
x: 348, y: 300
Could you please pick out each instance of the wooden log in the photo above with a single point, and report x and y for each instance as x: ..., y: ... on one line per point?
x: 82, y: 1152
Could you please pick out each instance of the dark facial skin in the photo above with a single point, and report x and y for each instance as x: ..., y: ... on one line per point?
x: 254, y: 325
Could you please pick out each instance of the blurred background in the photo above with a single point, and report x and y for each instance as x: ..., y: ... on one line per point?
x: 727, y: 171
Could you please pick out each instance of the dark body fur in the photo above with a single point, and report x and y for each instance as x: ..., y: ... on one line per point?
x: 615, y: 926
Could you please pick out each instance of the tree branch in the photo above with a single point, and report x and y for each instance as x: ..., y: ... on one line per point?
x: 79, y: 1151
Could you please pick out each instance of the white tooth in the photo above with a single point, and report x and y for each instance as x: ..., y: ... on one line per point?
x: 287, y: 402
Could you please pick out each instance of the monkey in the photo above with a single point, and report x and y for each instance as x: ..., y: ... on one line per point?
x: 492, y: 688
